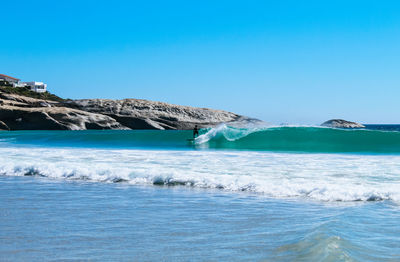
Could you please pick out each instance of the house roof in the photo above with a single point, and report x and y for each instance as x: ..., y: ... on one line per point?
x: 1, y: 75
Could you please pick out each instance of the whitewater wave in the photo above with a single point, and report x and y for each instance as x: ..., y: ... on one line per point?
x: 301, y: 139
x: 227, y: 132
x: 233, y: 133
x: 324, y: 177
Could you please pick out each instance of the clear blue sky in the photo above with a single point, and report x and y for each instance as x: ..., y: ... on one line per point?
x: 282, y: 61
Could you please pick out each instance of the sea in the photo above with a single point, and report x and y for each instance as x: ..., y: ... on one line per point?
x: 270, y: 193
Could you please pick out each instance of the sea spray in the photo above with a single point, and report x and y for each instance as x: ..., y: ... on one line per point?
x: 227, y: 132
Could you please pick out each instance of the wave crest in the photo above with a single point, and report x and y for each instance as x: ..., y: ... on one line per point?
x: 227, y: 132
x: 300, y: 139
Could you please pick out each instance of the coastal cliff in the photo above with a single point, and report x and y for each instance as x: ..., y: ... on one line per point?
x: 19, y: 112
x: 143, y: 114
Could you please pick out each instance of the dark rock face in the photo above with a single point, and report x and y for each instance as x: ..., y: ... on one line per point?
x: 3, y: 126
x: 24, y: 113
x: 340, y: 123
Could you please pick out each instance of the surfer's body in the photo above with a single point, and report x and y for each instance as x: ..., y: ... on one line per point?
x: 195, y: 132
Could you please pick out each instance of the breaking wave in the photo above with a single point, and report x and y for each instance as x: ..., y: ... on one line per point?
x: 272, y: 138
x: 324, y: 177
x: 301, y: 139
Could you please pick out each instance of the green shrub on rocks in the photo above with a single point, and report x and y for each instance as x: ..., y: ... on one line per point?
x: 23, y: 91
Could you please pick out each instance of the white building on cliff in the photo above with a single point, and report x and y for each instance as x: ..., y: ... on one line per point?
x: 38, y: 87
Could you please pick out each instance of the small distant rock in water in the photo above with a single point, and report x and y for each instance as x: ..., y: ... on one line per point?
x: 340, y: 123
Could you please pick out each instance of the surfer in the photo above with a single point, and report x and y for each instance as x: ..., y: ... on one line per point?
x: 195, y: 132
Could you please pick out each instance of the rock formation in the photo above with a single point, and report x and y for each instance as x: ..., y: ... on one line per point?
x: 24, y: 113
x: 340, y: 123
x: 143, y: 114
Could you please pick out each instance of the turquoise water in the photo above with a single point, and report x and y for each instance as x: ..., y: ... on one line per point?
x: 281, y: 139
x: 265, y: 194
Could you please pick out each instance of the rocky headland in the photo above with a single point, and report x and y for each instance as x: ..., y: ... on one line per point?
x: 340, y: 123
x: 18, y: 112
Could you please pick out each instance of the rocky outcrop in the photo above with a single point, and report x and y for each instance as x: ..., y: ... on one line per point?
x: 58, y: 118
x: 340, y: 123
x: 144, y: 114
x: 25, y: 113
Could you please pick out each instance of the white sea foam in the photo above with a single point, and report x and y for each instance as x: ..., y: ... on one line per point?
x: 325, y: 177
x: 229, y: 133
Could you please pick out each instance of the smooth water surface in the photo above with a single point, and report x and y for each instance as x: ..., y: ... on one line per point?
x: 46, y: 220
